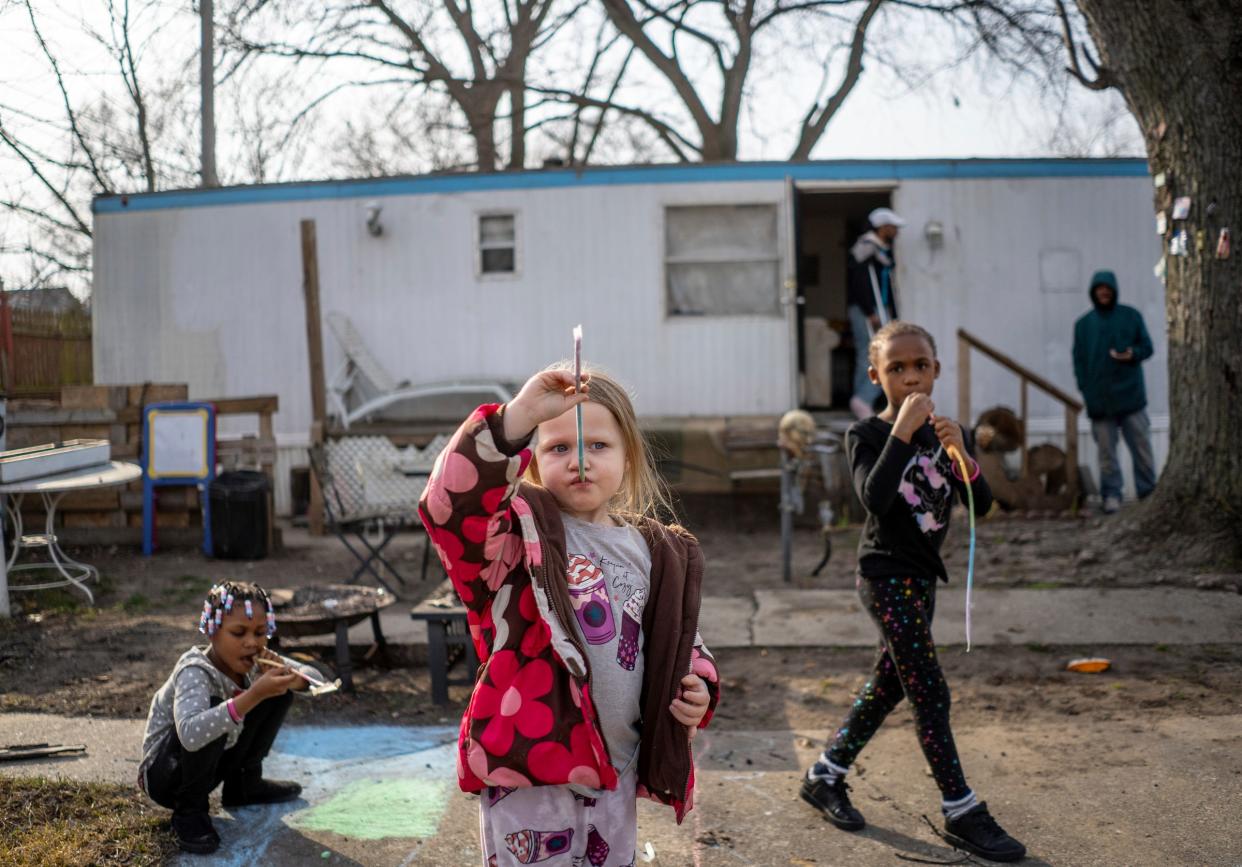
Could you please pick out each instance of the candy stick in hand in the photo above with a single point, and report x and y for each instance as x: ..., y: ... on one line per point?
x: 578, y: 408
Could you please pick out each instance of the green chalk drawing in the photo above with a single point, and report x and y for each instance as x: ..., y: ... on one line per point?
x: 377, y: 809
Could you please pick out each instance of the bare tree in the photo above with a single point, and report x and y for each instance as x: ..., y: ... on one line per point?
x: 477, y: 57
x: 1106, y: 129
x: 82, y: 151
x: 706, y: 52
x: 676, y: 38
x: 125, y: 119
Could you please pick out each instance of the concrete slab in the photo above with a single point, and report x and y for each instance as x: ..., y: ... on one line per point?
x: 113, y: 747
x: 1124, y: 792
x: 807, y: 618
x: 728, y: 619
x: 834, y: 618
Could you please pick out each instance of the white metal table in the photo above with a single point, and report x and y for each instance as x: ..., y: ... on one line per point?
x: 52, y: 489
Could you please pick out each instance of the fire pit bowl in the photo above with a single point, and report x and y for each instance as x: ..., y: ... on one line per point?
x: 331, y: 608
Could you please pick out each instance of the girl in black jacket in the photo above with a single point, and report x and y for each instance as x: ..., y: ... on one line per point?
x: 906, y: 481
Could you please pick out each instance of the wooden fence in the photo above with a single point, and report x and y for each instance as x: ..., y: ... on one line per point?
x: 41, y: 351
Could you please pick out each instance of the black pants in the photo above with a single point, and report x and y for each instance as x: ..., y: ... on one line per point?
x: 906, y: 666
x: 182, y: 780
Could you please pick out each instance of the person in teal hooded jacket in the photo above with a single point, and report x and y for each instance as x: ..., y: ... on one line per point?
x: 1110, y: 344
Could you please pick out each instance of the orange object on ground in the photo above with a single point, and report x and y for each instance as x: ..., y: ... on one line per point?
x: 1089, y: 666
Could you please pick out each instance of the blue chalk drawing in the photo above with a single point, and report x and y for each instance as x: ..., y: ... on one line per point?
x: 361, y: 782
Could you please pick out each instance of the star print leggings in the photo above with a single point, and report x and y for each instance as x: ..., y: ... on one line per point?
x: 906, y: 666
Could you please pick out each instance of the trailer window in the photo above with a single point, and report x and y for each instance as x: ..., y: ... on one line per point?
x: 497, y: 244
x: 721, y: 260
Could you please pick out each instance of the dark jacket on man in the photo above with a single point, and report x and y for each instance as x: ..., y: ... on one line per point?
x: 1110, y: 387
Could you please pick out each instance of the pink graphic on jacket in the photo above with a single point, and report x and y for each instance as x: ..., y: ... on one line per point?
x: 529, y: 847
x: 588, y: 591
x: 597, y: 847
x: 631, y: 623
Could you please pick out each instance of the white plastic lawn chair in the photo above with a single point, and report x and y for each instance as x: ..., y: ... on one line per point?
x: 362, y: 387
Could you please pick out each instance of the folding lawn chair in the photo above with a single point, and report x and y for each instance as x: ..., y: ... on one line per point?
x: 362, y: 387
x: 370, y: 491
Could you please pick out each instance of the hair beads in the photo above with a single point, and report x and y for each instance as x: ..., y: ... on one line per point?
x: 221, y: 599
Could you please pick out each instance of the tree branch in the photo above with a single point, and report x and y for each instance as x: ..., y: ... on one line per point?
x: 74, y: 127
x: 19, y: 208
x: 784, y: 9
x: 1104, y: 78
x: 598, y: 128
x: 813, y: 126
x: 436, y: 69
x: 282, y: 50
x: 81, y: 225
x: 667, y: 134
x: 679, y: 26
x: 130, y: 77
x: 622, y: 16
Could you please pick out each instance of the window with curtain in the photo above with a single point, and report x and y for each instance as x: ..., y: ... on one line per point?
x: 722, y: 260
x: 497, y: 244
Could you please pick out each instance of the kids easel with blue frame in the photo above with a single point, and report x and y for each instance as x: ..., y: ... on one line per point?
x: 178, y: 448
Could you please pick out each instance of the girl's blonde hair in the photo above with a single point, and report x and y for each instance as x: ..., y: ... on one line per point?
x: 643, y: 493
x: 897, y: 328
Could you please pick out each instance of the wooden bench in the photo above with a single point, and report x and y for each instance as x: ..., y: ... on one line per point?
x: 448, y: 640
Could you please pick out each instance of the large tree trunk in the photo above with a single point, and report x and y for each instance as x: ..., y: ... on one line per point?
x: 480, y: 111
x: 1178, y: 63
x: 517, y: 126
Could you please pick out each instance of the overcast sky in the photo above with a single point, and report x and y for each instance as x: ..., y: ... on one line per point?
x: 970, y: 111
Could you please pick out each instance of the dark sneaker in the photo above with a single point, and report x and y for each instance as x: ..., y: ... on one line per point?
x: 977, y: 832
x: 834, y: 802
x: 239, y: 793
x: 195, y: 833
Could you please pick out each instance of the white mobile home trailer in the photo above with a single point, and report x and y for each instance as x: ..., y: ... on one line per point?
x: 696, y: 284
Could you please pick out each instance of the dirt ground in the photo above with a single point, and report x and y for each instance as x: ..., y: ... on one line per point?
x: 743, y: 553
x: 1012, y: 703
x: 58, y: 655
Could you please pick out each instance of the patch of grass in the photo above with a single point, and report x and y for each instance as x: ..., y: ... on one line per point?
x: 59, y: 600
x: 49, y: 823
x: 1162, y: 648
x: 136, y: 603
x: 1043, y: 585
x: 188, y: 589
x: 1036, y: 647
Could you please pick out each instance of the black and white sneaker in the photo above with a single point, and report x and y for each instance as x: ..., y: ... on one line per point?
x: 834, y: 802
x: 978, y: 833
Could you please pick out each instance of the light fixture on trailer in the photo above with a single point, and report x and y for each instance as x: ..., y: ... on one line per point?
x: 373, y: 219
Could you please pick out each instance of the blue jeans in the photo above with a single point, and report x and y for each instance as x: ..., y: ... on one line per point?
x: 1136, y: 428
x: 864, y: 388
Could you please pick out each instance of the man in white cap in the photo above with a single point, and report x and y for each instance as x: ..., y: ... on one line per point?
x: 872, y: 301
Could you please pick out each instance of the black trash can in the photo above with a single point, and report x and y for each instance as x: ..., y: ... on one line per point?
x: 239, y: 523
